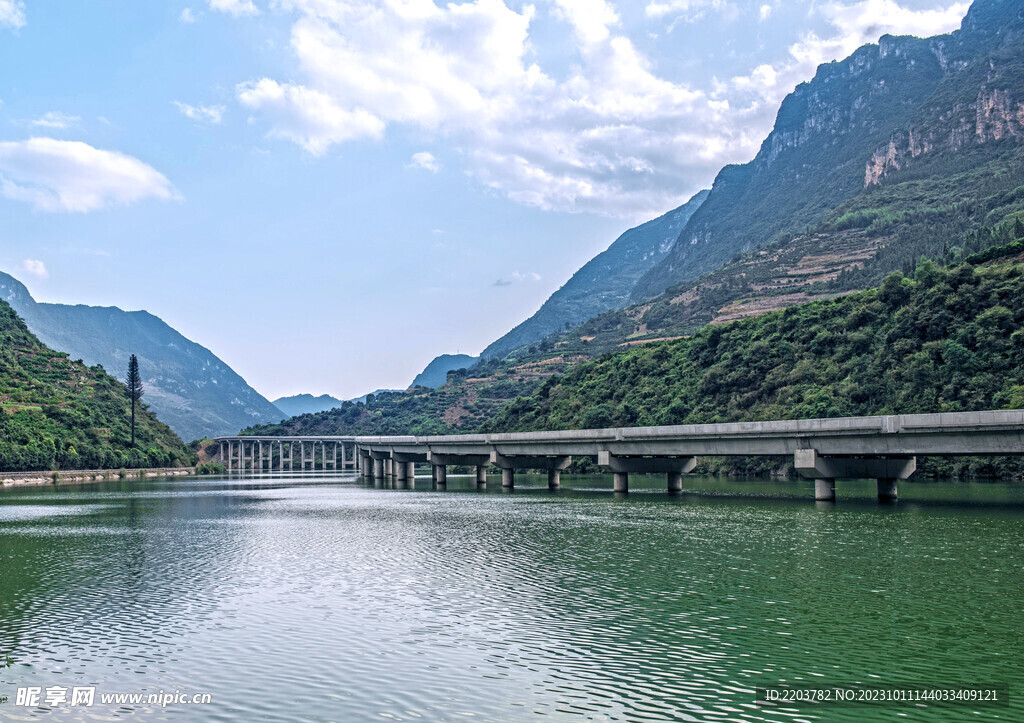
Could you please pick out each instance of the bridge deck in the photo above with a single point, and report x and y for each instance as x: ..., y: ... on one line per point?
x: 955, y: 433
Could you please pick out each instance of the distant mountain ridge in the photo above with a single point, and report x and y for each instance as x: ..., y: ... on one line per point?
x: 603, y: 283
x: 839, y: 132
x: 187, y: 386
x: 298, y: 404
x: 436, y: 372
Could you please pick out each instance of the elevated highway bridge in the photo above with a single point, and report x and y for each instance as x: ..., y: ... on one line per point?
x: 881, y: 447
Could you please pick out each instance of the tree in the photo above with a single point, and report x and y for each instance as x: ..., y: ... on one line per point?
x: 133, y: 385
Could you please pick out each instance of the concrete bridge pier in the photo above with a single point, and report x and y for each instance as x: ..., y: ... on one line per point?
x: 379, y: 464
x: 621, y: 466
x: 554, y: 479
x: 440, y: 463
x: 824, y: 470
x: 510, y: 463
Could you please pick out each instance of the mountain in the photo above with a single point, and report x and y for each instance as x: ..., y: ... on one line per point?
x: 949, y: 340
x: 884, y: 109
x: 947, y: 183
x: 305, y: 404
x: 60, y: 414
x: 436, y: 373
x: 605, y: 282
x: 188, y: 387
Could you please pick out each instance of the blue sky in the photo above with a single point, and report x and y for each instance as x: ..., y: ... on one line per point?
x: 328, y: 194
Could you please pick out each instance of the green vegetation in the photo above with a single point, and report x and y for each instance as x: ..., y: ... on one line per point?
x: 949, y: 340
x: 60, y: 414
x: 461, y: 405
x: 211, y: 468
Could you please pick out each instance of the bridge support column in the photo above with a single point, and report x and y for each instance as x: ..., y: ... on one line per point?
x: 825, y: 470
x: 378, y: 468
x: 554, y: 478
x: 510, y: 463
x: 887, y: 490
x: 825, y: 490
x: 621, y: 467
x: 410, y: 473
x: 441, y: 460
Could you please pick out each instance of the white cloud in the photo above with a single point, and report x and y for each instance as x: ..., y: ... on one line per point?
x: 424, y: 160
x: 35, y: 267
x: 611, y: 136
x: 591, y: 19
x: 238, y: 8
x: 308, y: 117
x: 12, y: 14
x: 201, y: 113
x: 688, y: 9
x: 55, y: 176
x: 55, y: 119
x: 765, y: 11
x: 187, y: 16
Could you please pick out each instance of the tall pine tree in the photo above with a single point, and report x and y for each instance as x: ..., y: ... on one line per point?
x: 133, y: 385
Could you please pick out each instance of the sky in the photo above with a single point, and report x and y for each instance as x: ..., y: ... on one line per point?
x: 328, y: 194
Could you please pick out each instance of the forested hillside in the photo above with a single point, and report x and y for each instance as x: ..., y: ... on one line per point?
x: 60, y: 414
x: 192, y: 390
x: 464, y: 403
x: 950, y: 339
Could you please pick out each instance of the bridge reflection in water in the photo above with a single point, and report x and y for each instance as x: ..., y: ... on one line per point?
x: 884, y: 448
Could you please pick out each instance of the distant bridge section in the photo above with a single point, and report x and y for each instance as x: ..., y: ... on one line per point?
x: 881, y: 447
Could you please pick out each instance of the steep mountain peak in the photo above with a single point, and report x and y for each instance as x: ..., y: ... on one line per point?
x: 436, y: 372
x: 835, y: 134
x: 604, y: 282
x: 13, y: 291
x: 1001, y: 19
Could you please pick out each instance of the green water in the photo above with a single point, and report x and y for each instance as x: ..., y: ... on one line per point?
x: 330, y: 599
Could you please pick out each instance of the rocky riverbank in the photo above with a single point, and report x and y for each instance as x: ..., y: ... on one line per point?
x: 77, y: 476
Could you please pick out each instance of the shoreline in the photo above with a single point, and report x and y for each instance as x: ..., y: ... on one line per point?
x: 81, y: 476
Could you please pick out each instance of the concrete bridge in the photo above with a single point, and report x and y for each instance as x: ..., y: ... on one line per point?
x: 884, y: 448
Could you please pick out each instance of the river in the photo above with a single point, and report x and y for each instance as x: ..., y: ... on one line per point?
x: 329, y: 599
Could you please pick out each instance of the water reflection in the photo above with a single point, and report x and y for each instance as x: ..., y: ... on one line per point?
x: 328, y: 599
